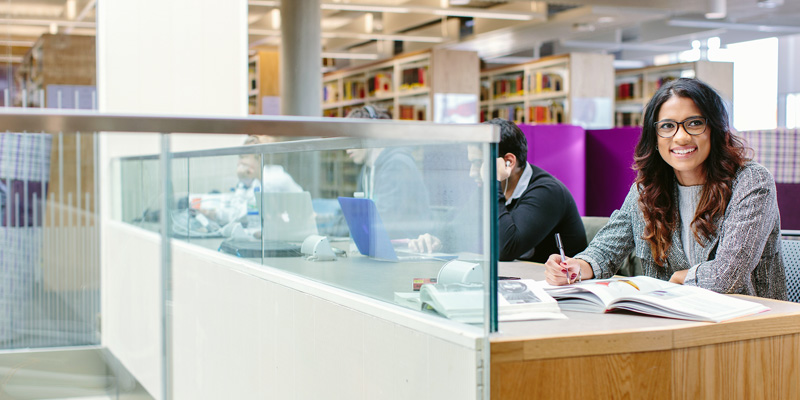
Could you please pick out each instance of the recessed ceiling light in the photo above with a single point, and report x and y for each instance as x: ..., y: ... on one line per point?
x: 582, y: 27
x: 717, y: 9
x: 770, y: 3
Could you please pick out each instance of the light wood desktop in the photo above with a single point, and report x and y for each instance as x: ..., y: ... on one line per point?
x: 625, y: 355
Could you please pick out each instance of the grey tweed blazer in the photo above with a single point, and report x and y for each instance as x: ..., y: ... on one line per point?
x: 743, y: 257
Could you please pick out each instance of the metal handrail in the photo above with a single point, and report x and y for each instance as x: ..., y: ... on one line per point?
x: 70, y: 121
x: 294, y: 146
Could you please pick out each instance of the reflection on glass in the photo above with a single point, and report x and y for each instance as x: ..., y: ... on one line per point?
x: 338, y: 216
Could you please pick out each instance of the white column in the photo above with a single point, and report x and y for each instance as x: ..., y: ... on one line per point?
x: 176, y: 57
x: 173, y: 57
x: 301, y: 58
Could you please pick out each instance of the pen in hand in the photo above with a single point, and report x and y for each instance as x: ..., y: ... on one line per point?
x: 561, y: 251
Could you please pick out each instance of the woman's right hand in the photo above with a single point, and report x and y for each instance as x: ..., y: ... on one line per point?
x: 425, y: 243
x: 559, y: 273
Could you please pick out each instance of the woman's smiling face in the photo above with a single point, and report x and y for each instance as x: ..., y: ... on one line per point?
x: 685, y: 153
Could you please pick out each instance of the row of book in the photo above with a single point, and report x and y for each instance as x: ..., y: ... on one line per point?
x: 629, y: 90
x: 413, y: 78
x: 379, y: 83
x: 413, y: 112
x: 633, y: 90
x: 512, y: 113
x: 330, y: 92
x: 513, y: 85
x: 627, y: 119
x: 354, y: 90
x: 549, y: 114
x: 509, y: 87
x: 331, y: 112
x: 546, y: 82
x: 358, y: 89
x: 552, y: 113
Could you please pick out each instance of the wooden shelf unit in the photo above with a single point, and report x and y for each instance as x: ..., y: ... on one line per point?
x: 55, y: 60
x: 635, y: 87
x: 406, y: 85
x: 575, y: 88
x: 263, y: 80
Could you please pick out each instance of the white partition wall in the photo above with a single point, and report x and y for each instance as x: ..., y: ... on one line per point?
x: 243, y: 331
x: 188, y: 58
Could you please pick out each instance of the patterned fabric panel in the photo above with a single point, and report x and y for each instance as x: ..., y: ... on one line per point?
x: 25, y: 156
x: 778, y: 150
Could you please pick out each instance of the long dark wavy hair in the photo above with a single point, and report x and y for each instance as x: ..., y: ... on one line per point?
x: 656, y: 179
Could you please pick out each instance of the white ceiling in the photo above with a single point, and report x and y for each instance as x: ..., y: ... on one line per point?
x: 630, y: 29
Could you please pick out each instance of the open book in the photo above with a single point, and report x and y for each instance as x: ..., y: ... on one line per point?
x: 517, y: 300
x: 652, y: 296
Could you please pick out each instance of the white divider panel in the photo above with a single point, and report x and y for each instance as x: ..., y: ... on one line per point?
x: 131, y: 323
x: 248, y: 332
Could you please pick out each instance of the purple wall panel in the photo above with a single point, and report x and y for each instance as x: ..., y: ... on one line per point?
x: 788, y: 201
x: 609, y: 156
x: 561, y: 151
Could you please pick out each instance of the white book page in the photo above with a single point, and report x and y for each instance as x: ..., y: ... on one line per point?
x: 690, y: 302
x: 604, y: 291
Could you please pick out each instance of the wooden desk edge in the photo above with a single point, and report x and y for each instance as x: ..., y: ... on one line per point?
x: 510, y: 349
x: 689, y: 334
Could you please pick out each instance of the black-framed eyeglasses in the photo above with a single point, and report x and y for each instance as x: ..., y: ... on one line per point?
x: 667, y: 128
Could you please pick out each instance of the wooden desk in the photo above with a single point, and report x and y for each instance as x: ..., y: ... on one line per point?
x: 628, y: 356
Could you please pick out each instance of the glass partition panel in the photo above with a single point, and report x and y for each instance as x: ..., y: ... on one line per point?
x: 402, y: 221
x: 375, y: 217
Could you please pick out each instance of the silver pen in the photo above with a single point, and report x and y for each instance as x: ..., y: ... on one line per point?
x: 563, y: 256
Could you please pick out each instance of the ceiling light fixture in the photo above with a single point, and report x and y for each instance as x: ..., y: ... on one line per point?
x: 582, y: 27
x: 614, y: 46
x: 350, y: 56
x: 47, y: 22
x: 694, y: 23
x: 275, y: 18
x: 264, y: 3
x: 770, y: 3
x: 404, y: 9
x: 369, y: 23
x: 358, y: 35
x: 628, y: 64
x: 717, y: 9
x: 71, y: 9
x: 509, y: 60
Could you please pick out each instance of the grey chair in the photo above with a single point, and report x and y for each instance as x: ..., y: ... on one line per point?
x: 631, y: 266
x: 791, y: 262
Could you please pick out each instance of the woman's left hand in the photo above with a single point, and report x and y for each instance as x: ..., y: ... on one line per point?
x: 679, y: 276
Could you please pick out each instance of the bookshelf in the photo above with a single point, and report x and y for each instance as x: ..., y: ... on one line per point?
x: 575, y: 88
x: 263, y: 82
x: 408, y: 86
x: 635, y: 87
x: 59, y: 72
x: 67, y: 61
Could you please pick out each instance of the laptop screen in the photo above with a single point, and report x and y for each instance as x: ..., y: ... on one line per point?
x: 287, y: 216
x: 366, y: 228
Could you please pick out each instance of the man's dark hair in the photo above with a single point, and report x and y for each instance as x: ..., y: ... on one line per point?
x: 512, y: 140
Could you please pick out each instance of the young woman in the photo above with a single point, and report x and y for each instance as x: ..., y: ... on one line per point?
x: 699, y: 212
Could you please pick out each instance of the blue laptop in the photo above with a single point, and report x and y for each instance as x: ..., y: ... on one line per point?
x: 370, y: 236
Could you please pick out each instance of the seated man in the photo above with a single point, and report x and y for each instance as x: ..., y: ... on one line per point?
x: 242, y: 202
x: 391, y: 178
x: 532, y: 205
